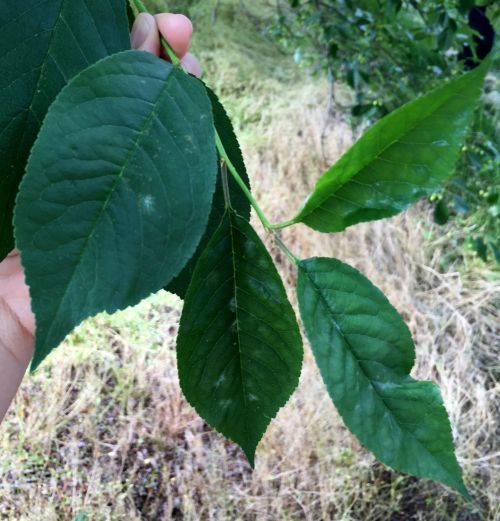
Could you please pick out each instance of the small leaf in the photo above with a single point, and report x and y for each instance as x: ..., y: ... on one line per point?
x: 496, y: 251
x: 481, y: 249
x: 365, y: 353
x: 44, y: 44
x: 239, y: 202
x: 239, y: 349
x: 403, y: 157
x: 441, y: 213
x: 117, y: 192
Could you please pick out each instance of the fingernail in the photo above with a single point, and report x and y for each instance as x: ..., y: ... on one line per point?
x: 142, y: 27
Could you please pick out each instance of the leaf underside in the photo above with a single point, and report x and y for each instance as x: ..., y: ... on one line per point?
x: 44, y: 44
x: 402, y: 158
x: 365, y: 352
x: 239, y: 350
x: 238, y: 199
x: 117, y: 192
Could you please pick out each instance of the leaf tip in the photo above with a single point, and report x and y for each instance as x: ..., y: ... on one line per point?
x: 462, y: 489
x: 250, y: 454
x: 37, y: 360
x: 35, y: 364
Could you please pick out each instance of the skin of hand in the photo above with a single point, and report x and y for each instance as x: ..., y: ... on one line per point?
x: 17, y: 322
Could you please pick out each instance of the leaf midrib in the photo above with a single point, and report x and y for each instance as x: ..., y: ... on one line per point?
x: 16, y: 174
x: 29, y: 109
x: 242, y: 373
x: 134, y: 146
x: 337, y: 327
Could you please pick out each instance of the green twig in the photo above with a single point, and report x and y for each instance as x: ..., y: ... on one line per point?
x: 138, y: 6
x: 283, y: 247
x: 284, y: 224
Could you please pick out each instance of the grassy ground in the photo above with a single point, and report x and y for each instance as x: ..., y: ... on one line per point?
x: 102, y: 431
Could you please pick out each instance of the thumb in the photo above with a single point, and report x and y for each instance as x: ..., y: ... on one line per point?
x: 145, y: 36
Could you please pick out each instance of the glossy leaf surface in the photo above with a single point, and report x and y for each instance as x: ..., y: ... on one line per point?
x: 43, y: 45
x: 239, y: 202
x: 239, y: 350
x: 365, y: 353
x: 403, y: 157
x: 117, y: 192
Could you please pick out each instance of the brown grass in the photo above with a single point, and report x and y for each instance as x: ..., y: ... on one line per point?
x: 103, y: 430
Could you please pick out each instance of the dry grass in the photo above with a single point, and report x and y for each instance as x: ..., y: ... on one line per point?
x: 103, y: 428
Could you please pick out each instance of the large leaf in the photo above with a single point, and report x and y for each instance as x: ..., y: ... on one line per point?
x: 239, y: 347
x: 44, y: 43
x: 403, y: 157
x: 365, y: 353
x: 117, y: 191
x: 239, y: 202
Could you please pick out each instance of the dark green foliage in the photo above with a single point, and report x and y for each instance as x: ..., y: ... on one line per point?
x: 387, y: 51
x: 472, y: 196
x: 117, y: 192
x: 137, y: 182
x: 365, y: 353
x: 44, y: 44
x: 441, y: 213
x: 239, y: 350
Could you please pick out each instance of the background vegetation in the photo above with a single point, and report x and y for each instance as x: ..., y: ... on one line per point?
x: 102, y: 432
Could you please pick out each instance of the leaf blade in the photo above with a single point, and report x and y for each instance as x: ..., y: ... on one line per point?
x: 239, y: 347
x: 116, y: 196
x: 365, y: 352
x: 403, y: 157
x: 46, y: 43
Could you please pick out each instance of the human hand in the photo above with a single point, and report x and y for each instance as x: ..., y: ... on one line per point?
x: 17, y: 322
x: 175, y: 28
x: 17, y: 327
x: 15, y: 305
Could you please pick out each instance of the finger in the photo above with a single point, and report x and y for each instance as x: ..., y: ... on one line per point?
x: 191, y: 65
x: 144, y: 36
x: 177, y: 29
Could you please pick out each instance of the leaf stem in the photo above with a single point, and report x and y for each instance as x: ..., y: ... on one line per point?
x: 241, y: 183
x: 284, y: 224
x: 284, y: 248
x: 225, y: 186
x: 138, y: 6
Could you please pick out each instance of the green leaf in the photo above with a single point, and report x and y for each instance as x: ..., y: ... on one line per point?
x: 441, y: 212
x: 365, y: 353
x: 239, y: 349
x: 239, y: 202
x: 403, y: 157
x: 117, y: 191
x: 481, y: 249
x: 44, y: 44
